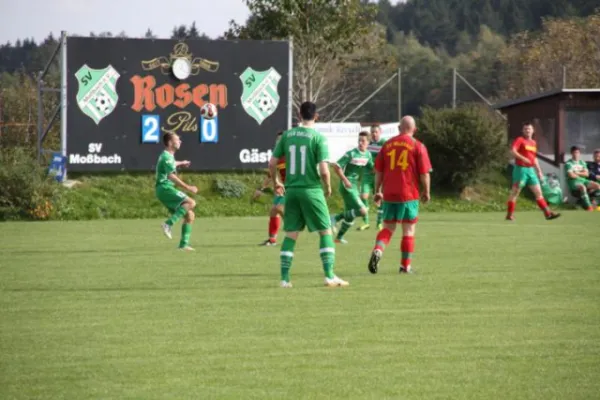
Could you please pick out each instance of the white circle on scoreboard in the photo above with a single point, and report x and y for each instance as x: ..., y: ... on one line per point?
x: 182, y: 68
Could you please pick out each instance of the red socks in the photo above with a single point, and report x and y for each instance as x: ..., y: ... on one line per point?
x: 540, y: 202
x: 383, y: 239
x: 543, y: 206
x: 407, y: 247
x: 511, y: 207
x: 274, y: 223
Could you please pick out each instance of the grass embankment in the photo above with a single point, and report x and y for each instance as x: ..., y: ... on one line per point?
x: 132, y: 196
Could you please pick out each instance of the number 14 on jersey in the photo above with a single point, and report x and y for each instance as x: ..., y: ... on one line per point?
x: 400, y: 162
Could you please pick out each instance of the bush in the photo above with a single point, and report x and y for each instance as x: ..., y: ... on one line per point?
x: 463, y: 144
x: 27, y: 192
x: 229, y: 188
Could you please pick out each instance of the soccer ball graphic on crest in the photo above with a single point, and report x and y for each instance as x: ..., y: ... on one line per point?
x: 208, y: 111
x: 102, y: 103
x: 266, y: 104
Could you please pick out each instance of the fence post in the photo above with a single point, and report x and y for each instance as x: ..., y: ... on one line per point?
x: 453, y: 88
x: 63, y: 99
x: 384, y: 84
x: 40, y: 121
x: 1, y: 110
x: 399, y: 93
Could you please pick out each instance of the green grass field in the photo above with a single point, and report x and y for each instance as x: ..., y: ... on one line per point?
x: 110, y: 310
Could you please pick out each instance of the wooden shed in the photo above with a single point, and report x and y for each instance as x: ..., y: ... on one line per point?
x: 562, y: 118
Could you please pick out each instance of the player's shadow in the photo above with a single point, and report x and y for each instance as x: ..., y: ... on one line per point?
x: 63, y: 251
x: 232, y: 275
x: 240, y: 229
x: 98, y: 289
x: 127, y: 251
x: 228, y: 245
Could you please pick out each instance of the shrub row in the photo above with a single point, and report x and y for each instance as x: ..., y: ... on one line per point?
x: 466, y: 145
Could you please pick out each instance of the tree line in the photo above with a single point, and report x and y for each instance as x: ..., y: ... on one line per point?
x: 345, y: 49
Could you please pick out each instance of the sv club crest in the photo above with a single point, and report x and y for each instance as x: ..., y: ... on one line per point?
x: 97, y: 95
x: 259, y: 97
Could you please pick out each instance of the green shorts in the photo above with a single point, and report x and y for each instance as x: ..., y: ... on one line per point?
x: 575, y: 183
x: 278, y: 200
x: 407, y: 213
x: 170, y: 197
x: 367, y: 185
x: 351, y: 199
x: 305, y: 208
x: 524, y: 176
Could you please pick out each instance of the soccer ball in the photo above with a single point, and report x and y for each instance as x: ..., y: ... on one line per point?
x: 208, y: 111
x: 102, y: 103
x: 266, y: 104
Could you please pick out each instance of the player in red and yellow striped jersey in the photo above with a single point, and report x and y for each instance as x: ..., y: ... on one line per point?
x: 278, y: 201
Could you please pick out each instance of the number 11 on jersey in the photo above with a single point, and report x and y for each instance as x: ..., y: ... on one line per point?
x: 293, y: 157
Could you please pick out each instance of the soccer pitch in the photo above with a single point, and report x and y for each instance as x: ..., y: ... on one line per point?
x: 111, y: 310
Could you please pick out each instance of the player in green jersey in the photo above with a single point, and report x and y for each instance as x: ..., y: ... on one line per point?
x: 306, y: 178
x: 367, y: 186
x: 351, y: 168
x: 178, y: 204
x: 577, y: 178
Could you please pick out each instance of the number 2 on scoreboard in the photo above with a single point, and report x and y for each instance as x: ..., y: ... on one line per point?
x: 150, y: 128
x: 401, y: 162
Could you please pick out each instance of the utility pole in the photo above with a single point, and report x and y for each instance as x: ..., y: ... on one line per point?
x: 1, y: 111
x: 399, y: 93
x: 454, y: 88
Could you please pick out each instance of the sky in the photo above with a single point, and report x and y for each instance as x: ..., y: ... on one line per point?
x: 35, y: 19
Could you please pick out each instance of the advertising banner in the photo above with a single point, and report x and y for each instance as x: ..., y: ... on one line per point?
x: 123, y: 95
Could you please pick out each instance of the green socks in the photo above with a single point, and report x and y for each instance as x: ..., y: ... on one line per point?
x: 347, y: 215
x: 177, y: 215
x: 366, y: 216
x: 186, y: 232
x: 286, y: 257
x: 346, y: 224
x: 586, y: 200
x: 327, y: 253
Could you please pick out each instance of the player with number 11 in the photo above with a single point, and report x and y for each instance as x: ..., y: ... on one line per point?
x: 307, y: 175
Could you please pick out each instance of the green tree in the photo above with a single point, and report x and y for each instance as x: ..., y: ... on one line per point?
x: 182, y: 32
x: 179, y: 32
x: 328, y: 37
x: 104, y: 34
x: 481, y: 66
x: 193, y: 32
x: 19, y: 111
x: 533, y: 62
x: 463, y: 143
x: 439, y: 23
x: 424, y: 73
x: 149, y: 34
